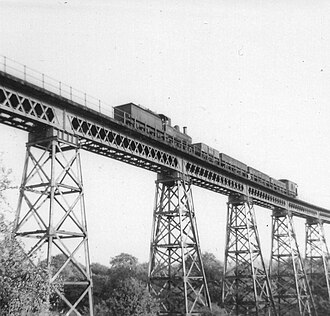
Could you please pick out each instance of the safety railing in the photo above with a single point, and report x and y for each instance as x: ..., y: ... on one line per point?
x: 29, y: 75
x: 50, y: 84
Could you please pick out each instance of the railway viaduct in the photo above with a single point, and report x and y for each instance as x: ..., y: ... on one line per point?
x: 51, y: 214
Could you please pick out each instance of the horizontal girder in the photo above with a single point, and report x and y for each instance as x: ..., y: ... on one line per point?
x: 31, y: 108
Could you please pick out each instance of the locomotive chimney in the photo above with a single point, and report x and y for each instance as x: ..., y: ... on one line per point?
x: 184, y: 129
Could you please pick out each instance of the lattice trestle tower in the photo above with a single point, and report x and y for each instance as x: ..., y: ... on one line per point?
x: 176, y: 273
x: 51, y: 219
x: 317, y: 263
x: 290, y: 287
x: 246, y: 286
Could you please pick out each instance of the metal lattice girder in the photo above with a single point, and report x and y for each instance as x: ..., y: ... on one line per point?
x: 51, y: 220
x: 317, y: 262
x: 176, y: 273
x: 291, y: 291
x: 26, y: 106
x: 246, y: 286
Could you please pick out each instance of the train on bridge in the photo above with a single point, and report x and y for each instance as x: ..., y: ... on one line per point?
x: 159, y: 126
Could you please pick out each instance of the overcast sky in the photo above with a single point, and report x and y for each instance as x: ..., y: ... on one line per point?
x: 250, y: 78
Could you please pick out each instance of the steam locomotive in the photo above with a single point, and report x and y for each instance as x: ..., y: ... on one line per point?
x: 159, y: 126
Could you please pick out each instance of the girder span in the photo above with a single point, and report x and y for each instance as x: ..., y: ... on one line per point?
x: 31, y: 108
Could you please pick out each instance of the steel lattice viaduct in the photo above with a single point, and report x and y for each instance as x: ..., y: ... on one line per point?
x: 51, y: 212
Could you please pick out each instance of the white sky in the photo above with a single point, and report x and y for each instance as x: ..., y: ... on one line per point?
x: 250, y: 78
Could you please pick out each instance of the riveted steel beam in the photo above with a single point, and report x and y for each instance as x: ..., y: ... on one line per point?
x: 31, y: 108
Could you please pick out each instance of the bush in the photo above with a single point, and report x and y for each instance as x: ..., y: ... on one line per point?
x: 24, y: 288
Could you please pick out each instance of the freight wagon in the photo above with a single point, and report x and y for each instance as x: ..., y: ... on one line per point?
x: 234, y: 165
x: 292, y: 188
x: 206, y: 152
x: 258, y: 176
x: 278, y: 185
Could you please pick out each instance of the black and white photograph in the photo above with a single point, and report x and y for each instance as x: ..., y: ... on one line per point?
x: 164, y: 157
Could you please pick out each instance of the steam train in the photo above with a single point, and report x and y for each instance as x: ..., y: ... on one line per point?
x: 159, y: 126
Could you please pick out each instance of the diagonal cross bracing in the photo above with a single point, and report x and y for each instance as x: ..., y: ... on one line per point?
x: 31, y: 108
x: 317, y: 264
x: 176, y: 273
x: 246, y: 286
x: 291, y: 290
x: 51, y: 219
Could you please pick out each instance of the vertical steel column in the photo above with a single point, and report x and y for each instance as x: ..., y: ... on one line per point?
x: 290, y: 287
x: 176, y: 273
x: 51, y: 219
x: 246, y: 286
x: 317, y: 264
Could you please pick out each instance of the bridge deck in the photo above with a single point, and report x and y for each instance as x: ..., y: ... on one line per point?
x: 35, y: 109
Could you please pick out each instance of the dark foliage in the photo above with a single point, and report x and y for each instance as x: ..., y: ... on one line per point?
x: 121, y: 289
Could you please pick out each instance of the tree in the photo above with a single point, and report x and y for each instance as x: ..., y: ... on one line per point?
x: 121, y: 267
x: 216, y: 311
x: 213, y: 272
x: 124, y: 260
x: 102, y: 287
x: 122, y: 288
x: 99, y: 269
x: 4, y: 180
x: 24, y: 287
x: 131, y: 297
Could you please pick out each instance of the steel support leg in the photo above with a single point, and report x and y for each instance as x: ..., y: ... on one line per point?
x: 176, y: 273
x: 290, y: 287
x: 51, y: 220
x: 317, y: 264
x: 246, y: 286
